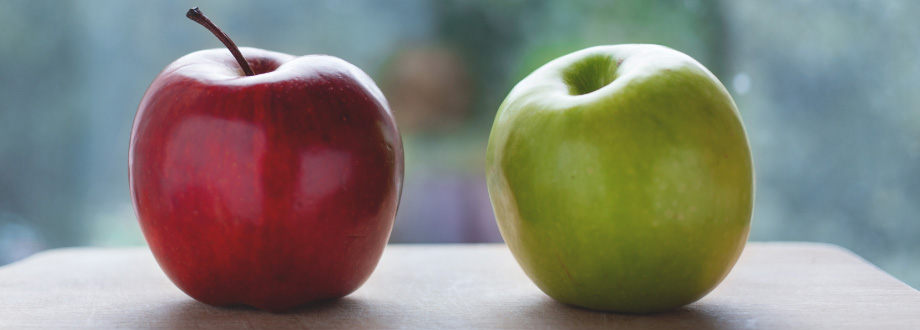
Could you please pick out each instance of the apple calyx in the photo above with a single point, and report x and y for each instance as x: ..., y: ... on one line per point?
x: 196, y: 15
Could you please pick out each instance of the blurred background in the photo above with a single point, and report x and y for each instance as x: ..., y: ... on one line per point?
x: 828, y: 91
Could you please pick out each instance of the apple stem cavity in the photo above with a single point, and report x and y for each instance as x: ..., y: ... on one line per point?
x: 590, y: 74
x: 196, y: 15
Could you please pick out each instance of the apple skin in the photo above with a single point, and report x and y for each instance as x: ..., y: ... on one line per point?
x: 273, y: 190
x: 621, y: 178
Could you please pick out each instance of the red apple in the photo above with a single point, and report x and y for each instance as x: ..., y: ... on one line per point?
x: 272, y: 190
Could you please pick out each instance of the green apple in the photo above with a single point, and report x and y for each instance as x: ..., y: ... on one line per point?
x: 621, y: 178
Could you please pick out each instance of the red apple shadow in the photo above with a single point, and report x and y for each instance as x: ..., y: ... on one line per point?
x: 339, y: 313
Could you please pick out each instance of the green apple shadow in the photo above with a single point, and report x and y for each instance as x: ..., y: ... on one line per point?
x: 548, y: 313
x: 339, y: 313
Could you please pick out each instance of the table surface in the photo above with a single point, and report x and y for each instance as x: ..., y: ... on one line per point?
x: 774, y: 285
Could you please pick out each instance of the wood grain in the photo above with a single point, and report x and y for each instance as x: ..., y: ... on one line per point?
x: 774, y: 286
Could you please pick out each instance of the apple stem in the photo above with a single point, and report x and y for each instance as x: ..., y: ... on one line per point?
x: 196, y: 15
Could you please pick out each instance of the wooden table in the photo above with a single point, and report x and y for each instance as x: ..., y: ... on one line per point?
x: 774, y: 286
